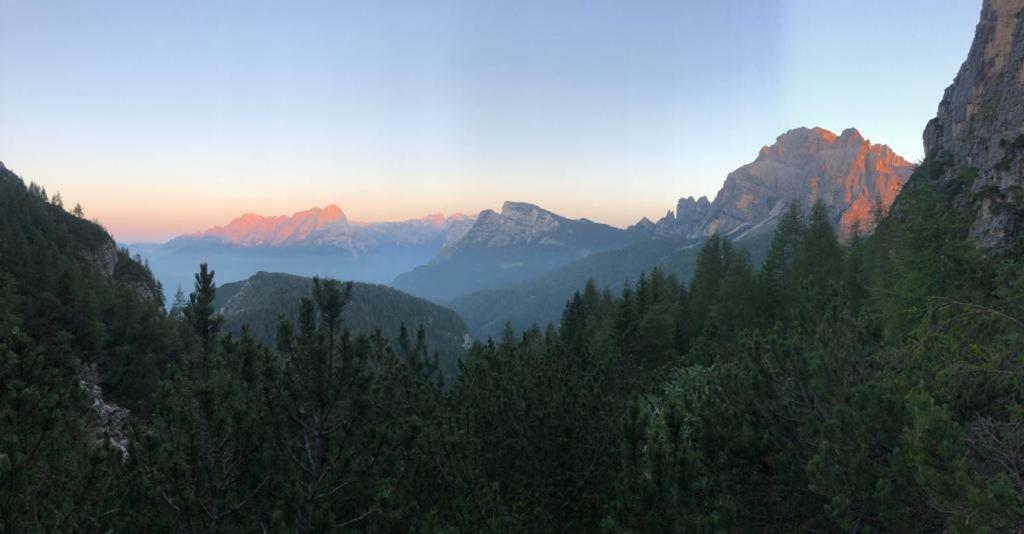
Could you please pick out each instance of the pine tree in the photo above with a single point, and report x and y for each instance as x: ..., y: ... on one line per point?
x: 199, y: 312
x: 204, y: 458
x: 778, y: 276
x: 573, y: 325
x: 177, y: 310
x: 712, y: 262
x: 324, y: 391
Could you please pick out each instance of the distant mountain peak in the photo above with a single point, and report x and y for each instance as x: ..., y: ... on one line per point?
x: 644, y: 226
x: 332, y: 212
x: 847, y: 172
x: 520, y: 241
x: 434, y: 219
x: 852, y: 135
x: 519, y: 209
x: 329, y: 226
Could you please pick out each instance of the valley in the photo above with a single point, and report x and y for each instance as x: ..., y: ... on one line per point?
x: 833, y: 342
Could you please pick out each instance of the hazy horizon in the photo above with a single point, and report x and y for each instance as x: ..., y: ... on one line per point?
x: 195, y: 115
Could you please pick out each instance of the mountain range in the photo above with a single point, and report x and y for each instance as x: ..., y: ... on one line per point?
x: 329, y: 227
x: 520, y: 264
x: 318, y: 241
x: 853, y: 177
x: 519, y: 243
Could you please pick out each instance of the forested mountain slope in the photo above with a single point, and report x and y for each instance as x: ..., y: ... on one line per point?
x: 262, y: 298
x: 856, y: 180
x: 65, y: 274
x: 542, y: 300
x: 862, y: 385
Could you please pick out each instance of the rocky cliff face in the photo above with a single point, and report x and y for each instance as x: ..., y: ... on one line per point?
x: 109, y: 421
x: 103, y: 257
x: 980, y: 124
x: 521, y: 224
x: 847, y: 172
x: 690, y: 214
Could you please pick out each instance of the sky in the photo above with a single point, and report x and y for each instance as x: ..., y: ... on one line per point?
x: 163, y: 118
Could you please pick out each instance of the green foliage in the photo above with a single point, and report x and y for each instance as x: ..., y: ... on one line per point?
x: 868, y: 386
x: 260, y: 300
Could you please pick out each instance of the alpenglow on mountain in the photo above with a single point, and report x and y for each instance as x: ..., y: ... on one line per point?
x: 852, y: 176
x: 330, y: 227
x: 317, y: 241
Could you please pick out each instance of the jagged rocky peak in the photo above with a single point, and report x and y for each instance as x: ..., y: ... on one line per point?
x: 847, y: 172
x: 686, y: 219
x: 253, y: 229
x: 979, y: 127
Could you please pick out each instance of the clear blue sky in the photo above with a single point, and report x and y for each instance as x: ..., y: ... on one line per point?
x: 165, y: 117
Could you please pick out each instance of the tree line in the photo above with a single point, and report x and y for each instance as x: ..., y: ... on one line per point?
x: 857, y: 384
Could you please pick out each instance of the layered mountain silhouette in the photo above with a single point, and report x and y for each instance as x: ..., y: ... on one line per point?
x: 328, y: 227
x: 444, y: 258
x: 318, y: 241
x: 521, y: 242
x: 853, y: 177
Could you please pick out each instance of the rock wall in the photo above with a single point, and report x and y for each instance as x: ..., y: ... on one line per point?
x: 980, y: 124
x: 848, y: 173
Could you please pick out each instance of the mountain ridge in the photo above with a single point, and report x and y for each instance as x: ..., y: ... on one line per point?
x: 793, y: 164
x: 315, y: 226
x: 258, y: 301
x: 521, y: 241
x: 853, y: 176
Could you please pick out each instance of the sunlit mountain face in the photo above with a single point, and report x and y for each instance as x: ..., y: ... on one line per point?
x: 328, y: 226
x: 313, y: 242
x: 823, y: 333
x: 855, y: 178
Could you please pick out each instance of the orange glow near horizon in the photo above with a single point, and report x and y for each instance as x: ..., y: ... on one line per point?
x: 156, y: 212
x: 162, y: 201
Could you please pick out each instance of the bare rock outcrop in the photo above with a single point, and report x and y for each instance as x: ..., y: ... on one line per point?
x: 103, y: 257
x: 979, y: 126
x: 109, y: 421
x: 852, y: 176
x: 690, y: 214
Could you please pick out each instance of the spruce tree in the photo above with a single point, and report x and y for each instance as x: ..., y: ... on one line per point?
x: 325, y: 394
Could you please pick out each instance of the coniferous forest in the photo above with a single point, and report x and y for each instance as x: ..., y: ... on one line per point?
x: 869, y: 384
x: 798, y: 355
